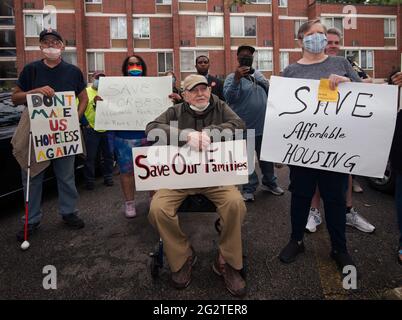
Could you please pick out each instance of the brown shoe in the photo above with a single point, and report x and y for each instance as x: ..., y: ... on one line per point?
x: 182, y: 278
x: 233, y: 280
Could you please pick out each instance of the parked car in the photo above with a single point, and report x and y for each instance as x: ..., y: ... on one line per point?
x: 10, y: 171
x: 385, y: 184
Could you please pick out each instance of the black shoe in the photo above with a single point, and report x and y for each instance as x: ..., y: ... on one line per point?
x: 290, y: 252
x: 343, y: 259
x: 108, y: 182
x: 32, y: 228
x: 73, y: 221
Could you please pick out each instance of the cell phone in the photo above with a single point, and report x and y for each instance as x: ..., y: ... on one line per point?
x: 247, y: 61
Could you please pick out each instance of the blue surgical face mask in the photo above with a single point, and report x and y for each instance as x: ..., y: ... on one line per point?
x: 315, y: 43
x: 95, y: 84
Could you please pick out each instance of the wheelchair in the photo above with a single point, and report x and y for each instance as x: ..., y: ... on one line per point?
x: 193, y: 203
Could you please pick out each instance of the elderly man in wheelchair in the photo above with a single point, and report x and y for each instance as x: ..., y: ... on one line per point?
x: 199, y: 111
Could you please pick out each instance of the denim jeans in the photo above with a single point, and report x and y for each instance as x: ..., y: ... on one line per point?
x: 68, y: 196
x: 333, y: 187
x: 267, y: 170
x: 398, y: 200
x: 94, y: 141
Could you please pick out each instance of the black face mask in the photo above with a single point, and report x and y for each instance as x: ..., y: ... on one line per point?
x: 247, y: 61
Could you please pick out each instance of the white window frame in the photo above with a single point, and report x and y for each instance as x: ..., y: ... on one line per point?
x: 260, y: 1
x: 283, y: 3
x: 25, y: 24
x: 209, y: 18
x: 243, y: 28
x: 257, y: 60
x: 93, y: 1
x: 284, y: 62
x: 388, y: 21
x: 149, y: 28
x: 163, y: 2
x: 122, y: 36
x: 193, y: 1
x: 96, y: 57
x: 360, y: 58
x: 332, y: 24
x: 295, y: 24
x: 196, y: 53
x: 164, y: 55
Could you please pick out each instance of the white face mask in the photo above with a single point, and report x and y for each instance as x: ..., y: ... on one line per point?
x: 52, y: 53
x: 199, y: 109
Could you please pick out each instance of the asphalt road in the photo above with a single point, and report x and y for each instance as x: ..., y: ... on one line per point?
x: 108, y: 259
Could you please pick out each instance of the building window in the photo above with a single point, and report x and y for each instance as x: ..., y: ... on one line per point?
x: 263, y: 60
x: 70, y: 57
x: 163, y: 1
x: 260, y: 1
x: 284, y: 60
x: 333, y: 23
x: 211, y: 26
x: 96, y: 62
x: 390, y: 28
x: 35, y: 23
x: 363, y: 58
x: 192, y: 0
x: 7, y: 42
x: 141, y: 28
x: 7, y: 13
x: 165, y: 62
x: 118, y: 28
x: 243, y: 26
x: 93, y: 1
x: 298, y: 24
x: 187, y: 60
x: 283, y: 3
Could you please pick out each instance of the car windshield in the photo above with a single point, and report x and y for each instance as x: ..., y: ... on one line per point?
x: 9, y: 115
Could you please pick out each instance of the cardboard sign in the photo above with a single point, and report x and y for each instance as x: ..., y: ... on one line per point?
x: 54, y: 125
x: 352, y: 135
x: 171, y: 167
x: 130, y: 103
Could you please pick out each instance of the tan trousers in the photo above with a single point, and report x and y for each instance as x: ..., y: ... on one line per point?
x: 230, y: 207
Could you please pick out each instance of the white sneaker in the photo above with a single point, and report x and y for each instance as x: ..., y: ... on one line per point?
x: 356, y: 186
x: 314, y: 220
x: 354, y: 219
x: 129, y: 210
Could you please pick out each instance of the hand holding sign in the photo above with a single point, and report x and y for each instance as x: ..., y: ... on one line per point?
x: 46, y: 91
x: 198, y: 140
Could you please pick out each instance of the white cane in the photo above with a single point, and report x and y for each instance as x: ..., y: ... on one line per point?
x: 25, y: 244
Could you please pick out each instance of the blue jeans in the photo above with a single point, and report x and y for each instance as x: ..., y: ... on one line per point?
x: 398, y: 200
x: 94, y: 141
x: 333, y: 187
x: 68, y: 196
x: 267, y: 170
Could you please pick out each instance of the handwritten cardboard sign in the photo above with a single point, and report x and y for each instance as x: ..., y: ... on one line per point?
x: 172, y: 167
x: 352, y: 135
x: 54, y: 125
x: 129, y: 103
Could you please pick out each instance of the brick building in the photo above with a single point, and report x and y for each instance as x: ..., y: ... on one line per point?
x: 169, y: 34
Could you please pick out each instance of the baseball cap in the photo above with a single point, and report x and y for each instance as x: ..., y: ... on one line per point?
x: 194, y: 80
x: 245, y: 47
x: 50, y: 32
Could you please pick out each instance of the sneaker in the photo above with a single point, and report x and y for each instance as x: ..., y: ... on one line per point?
x: 108, y: 182
x: 129, y: 209
x: 276, y: 191
x: 290, y: 252
x: 356, y: 186
x: 248, y: 196
x: 32, y: 228
x: 342, y: 260
x: 73, y: 221
x: 234, y: 282
x: 354, y: 219
x: 314, y: 220
x: 182, y: 278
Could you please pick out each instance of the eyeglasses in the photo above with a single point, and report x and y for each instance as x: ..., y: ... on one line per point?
x: 134, y: 64
x: 49, y: 43
x: 333, y: 43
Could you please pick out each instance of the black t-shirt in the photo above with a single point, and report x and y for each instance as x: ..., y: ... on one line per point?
x: 63, y: 77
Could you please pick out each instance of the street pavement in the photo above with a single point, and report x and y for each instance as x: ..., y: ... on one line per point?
x: 109, y: 258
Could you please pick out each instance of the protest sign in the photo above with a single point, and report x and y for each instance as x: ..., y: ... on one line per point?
x: 172, y: 167
x: 54, y: 125
x: 129, y: 103
x: 352, y: 135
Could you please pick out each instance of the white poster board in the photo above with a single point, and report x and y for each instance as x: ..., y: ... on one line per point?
x: 130, y: 103
x: 54, y: 125
x: 172, y: 167
x: 353, y: 135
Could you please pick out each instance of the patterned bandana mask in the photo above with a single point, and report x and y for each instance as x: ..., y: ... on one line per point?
x: 135, y: 70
